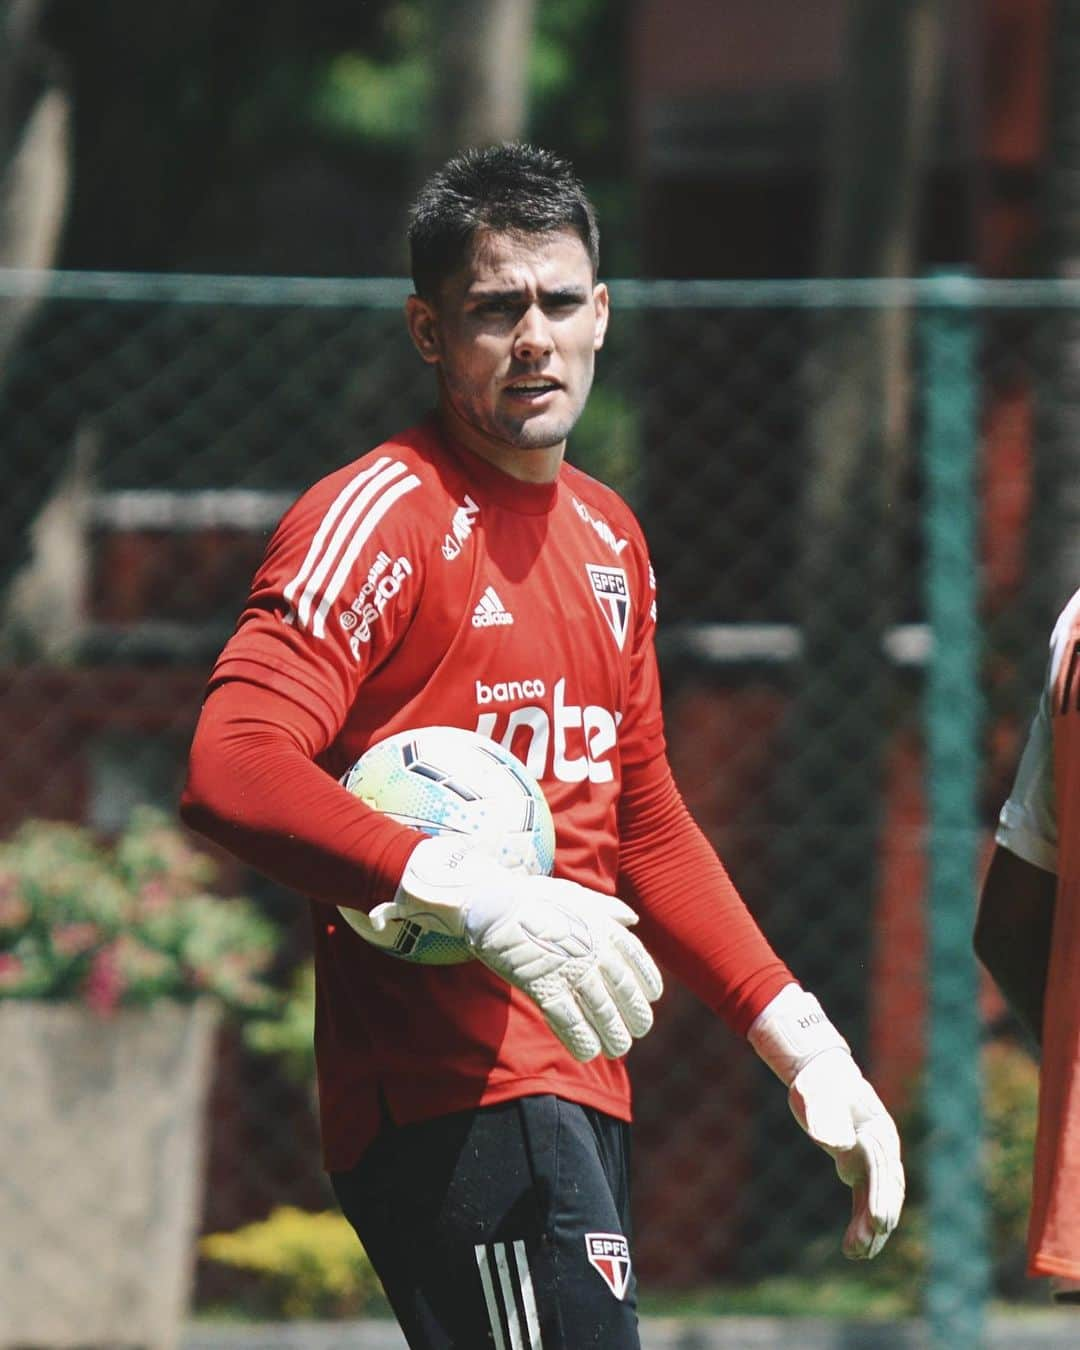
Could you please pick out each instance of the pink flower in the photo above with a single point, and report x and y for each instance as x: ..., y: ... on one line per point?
x: 154, y: 897
x: 104, y: 985
x: 72, y: 939
x: 11, y: 970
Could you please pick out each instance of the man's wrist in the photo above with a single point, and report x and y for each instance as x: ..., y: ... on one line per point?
x: 791, y: 1031
x: 446, y: 875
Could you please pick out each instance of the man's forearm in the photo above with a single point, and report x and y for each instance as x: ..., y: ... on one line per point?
x: 253, y: 790
x: 1013, y: 932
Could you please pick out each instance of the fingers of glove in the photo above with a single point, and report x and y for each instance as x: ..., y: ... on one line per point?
x: 645, y: 969
x: 861, y: 1241
x: 564, y: 1016
x: 616, y: 909
x: 603, y: 1013
x: 875, y: 1173
x: 884, y: 1172
x: 875, y: 1246
x: 863, y: 1238
x: 633, y: 980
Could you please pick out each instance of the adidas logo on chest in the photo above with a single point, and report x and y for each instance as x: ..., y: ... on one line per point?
x: 491, y: 612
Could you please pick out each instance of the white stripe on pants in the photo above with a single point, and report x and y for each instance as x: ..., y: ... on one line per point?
x: 514, y: 1279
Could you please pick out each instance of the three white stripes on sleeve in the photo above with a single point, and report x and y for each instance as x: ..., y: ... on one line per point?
x: 518, y: 1297
x: 343, y: 531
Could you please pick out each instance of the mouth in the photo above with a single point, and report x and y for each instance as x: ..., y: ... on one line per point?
x: 532, y: 388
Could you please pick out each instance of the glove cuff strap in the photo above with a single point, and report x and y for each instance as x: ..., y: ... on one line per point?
x: 791, y: 1031
x: 444, y: 875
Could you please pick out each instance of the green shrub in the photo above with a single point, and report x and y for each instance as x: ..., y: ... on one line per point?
x: 290, y: 1033
x: 1010, y: 1104
x: 313, y: 1264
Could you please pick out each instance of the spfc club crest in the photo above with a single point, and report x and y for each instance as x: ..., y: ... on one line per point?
x: 613, y: 596
x: 609, y: 1253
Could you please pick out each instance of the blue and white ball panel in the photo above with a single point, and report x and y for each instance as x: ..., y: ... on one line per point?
x: 446, y: 780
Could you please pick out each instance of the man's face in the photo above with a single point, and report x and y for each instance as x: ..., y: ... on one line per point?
x: 514, y: 335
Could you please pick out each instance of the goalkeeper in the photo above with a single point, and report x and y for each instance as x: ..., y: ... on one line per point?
x: 475, y: 1118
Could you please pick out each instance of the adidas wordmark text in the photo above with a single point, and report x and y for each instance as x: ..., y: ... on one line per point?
x: 490, y: 611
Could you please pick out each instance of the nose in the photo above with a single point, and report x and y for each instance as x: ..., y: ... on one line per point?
x: 533, y: 336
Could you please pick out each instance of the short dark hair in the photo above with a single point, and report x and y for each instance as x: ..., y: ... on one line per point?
x: 509, y: 188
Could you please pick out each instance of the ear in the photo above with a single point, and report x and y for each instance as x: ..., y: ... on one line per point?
x: 423, y: 325
x: 601, y: 308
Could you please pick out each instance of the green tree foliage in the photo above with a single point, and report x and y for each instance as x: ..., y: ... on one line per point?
x: 198, y: 143
x: 285, y: 137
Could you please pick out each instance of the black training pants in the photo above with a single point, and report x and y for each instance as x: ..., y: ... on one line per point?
x: 503, y: 1227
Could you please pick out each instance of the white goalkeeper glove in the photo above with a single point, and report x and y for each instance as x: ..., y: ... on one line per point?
x: 838, y: 1109
x: 564, y: 945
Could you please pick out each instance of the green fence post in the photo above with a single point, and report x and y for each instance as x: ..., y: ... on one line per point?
x: 958, y: 1266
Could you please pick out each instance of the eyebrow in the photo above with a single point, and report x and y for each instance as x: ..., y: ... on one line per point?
x: 560, y: 293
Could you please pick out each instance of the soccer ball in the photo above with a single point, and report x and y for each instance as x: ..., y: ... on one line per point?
x: 445, y: 780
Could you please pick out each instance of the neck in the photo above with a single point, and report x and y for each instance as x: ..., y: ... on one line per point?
x: 540, y: 464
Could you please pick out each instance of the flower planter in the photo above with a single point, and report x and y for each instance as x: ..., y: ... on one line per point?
x: 101, y: 1152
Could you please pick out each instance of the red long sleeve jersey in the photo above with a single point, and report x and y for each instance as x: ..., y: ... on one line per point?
x: 420, y: 585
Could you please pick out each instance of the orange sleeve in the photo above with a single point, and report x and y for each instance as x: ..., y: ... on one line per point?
x: 254, y: 788
x: 693, y: 920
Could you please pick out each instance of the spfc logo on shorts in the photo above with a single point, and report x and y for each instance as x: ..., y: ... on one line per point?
x: 613, y: 596
x: 609, y: 1253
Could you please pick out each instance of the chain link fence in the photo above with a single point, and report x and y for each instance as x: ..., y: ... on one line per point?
x: 780, y: 443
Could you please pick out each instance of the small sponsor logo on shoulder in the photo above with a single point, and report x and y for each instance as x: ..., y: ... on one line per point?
x: 612, y: 593
x: 602, y: 528
x: 461, y: 527
x: 609, y: 1254
x: 384, y: 580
